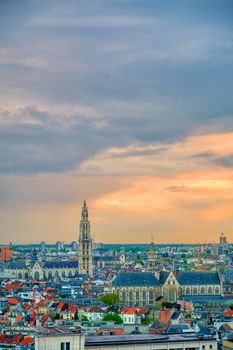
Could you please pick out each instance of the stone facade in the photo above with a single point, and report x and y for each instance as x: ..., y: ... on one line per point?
x: 137, y: 288
x: 141, y: 288
x: 42, y: 271
x: 60, y: 342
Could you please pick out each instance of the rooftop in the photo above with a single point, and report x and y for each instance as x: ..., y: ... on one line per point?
x: 127, y: 279
x: 143, y: 338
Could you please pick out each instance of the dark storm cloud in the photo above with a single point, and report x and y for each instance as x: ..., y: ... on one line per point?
x: 136, y: 71
x: 34, y: 141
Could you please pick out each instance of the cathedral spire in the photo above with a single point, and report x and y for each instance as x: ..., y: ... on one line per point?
x: 85, y: 243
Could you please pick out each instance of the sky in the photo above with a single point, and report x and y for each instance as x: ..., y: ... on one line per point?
x: 125, y: 103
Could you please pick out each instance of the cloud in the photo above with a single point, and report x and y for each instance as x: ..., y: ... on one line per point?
x: 36, y: 140
x: 138, y: 95
x: 162, y: 159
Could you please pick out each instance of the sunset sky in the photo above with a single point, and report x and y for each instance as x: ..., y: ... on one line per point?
x: 125, y: 103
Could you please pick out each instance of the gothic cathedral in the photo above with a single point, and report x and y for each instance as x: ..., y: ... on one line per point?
x: 85, y: 244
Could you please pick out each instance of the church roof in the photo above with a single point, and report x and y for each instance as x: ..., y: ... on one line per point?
x: 228, y: 275
x: 163, y: 276
x: 198, y: 278
x: 16, y: 265
x: 128, y: 279
x: 60, y: 264
x: 104, y: 258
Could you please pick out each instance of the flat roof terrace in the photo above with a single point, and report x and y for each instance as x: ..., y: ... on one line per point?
x: 144, y: 339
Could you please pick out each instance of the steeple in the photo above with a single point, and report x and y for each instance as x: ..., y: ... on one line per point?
x: 152, y: 256
x: 152, y: 245
x: 85, y: 244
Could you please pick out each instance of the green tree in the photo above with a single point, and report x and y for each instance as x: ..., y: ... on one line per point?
x: 167, y: 304
x: 84, y: 318
x: 110, y: 299
x: 113, y: 317
x: 157, y: 304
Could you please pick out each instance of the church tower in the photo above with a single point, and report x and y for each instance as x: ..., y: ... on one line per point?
x: 85, y: 244
x: 152, y: 257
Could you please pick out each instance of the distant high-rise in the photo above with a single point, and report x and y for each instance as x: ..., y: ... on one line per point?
x: 223, y: 246
x: 43, y: 247
x: 85, y: 244
x: 59, y: 246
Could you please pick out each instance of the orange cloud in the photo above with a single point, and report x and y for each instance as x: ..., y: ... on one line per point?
x: 139, y: 190
x: 195, y: 152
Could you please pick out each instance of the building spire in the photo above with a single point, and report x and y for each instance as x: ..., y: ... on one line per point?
x: 85, y: 243
x: 152, y: 255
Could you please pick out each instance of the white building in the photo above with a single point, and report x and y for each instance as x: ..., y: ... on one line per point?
x: 125, y: 342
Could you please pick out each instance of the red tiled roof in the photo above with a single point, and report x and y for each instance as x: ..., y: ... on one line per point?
x: 60, y: 306
x: 41, y: 302
x: 72, y: 308
x: 96, y: 309
x: 15, y: 339
x: 12, y: 301
x: 18, y: 318
x: 228, y: 327
x: 11, y: 286
x: 128, y: 310
x: 228, y: 313
x: 27, y: 341
x: 143, y: 310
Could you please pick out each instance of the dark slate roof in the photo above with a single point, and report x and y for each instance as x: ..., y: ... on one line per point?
x: 163, y: 276
x: 128, y: 279
x: 60, y: 264
x: 175, y: 315
x: 198, y: 278
x: 16, y: 265
x: 178, y: 328
x: 104, y: 258
x: 228, y: 275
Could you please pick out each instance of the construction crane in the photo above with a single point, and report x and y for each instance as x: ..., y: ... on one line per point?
x: 198, y: 250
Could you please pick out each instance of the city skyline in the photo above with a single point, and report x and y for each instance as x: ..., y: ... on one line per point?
x: 127, y: 104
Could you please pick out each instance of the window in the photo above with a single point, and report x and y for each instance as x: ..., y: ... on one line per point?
x: 171, y: 296
x: 144, y: 297
x: 203, y: 346
x: 137, y: 297
x: 65, y: 346
x: 211, y: 346
x: 195, y: 290
x: 202, y: 290
x: 151, y: 297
